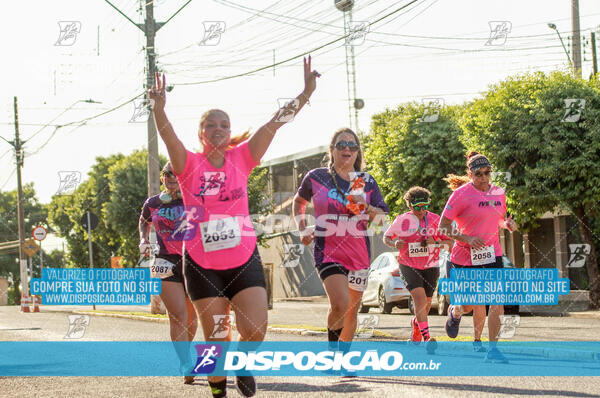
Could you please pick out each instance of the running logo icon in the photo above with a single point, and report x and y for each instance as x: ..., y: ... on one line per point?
x: 574, y: 107
x: 207, y: 358
x: 288, y: 107
x: 212, y: 33
x: 357, y: 33
x: 68, y: 33
x: 222, y: 326
x: 77, y: 326
x: 578, y: 254
x: 508, y: 326
x: 69, y: 180
x: 291, y: 255
x: 500, y: 176
x: 366, y: 326
x: 432, y: 108
x: 141, y: 110
x: 499, y: 31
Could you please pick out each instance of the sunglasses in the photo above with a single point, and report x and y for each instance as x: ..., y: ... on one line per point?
x: 168, y: 174
x: 421, y: 207
x: 481, y: 174
x: 341, y: 145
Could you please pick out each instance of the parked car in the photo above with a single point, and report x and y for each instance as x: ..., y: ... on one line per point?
x: 443, y: 301
x: 386, y: 287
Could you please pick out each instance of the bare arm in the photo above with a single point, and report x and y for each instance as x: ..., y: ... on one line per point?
x: 144, y: 228
x: 176, y: 149
x: 298, y: 212
x: 260, y: 141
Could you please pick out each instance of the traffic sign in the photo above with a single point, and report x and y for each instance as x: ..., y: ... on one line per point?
x: 30, y: 247
x: 39, y: 233
x: 93, y: 220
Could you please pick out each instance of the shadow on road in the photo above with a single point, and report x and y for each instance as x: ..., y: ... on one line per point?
x: 461, y: 386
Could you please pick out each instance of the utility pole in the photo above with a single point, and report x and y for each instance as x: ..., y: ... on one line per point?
x: 150, y: 27
x: 576, y: 38
x: 594, y: 59
x: 21, y: 213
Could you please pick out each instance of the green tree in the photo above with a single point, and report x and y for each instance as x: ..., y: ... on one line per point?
x: 127, y: 182
x: 65, y: 213
x: 259, y: 199
x: 34, y: 214
x: 403, y: 151
x: 520, y: 125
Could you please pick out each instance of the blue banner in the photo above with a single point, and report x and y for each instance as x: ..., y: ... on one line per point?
x: 99, y: 286
x: 376, y: 358
x: 509, y: 286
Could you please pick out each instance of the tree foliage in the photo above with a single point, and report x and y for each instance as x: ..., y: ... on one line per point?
x: 403, y: 151
x: 520, y: 125
x: 34, y: 214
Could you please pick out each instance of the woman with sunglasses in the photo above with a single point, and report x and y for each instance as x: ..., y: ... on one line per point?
x: 221, y: 261
x: 414, y: 234
x: 165, y: 212
x: 478, y: 209
x: 344, y: 203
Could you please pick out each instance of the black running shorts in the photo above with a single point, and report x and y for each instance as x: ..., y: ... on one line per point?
x: 425, y: 278
x: 202, y: 282
x: 327, y: 269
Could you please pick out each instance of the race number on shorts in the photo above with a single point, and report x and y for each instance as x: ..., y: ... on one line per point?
x: 357, y: 280
x: 161, y: 268
x: 416, y: 250
x: 220, y: 234
x: 486, y: 255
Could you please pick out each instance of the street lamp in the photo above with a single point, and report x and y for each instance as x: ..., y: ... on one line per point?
x: 553, y: 26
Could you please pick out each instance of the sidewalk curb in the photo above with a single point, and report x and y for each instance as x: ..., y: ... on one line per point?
x: 534, y: 351
x: 550, y: 353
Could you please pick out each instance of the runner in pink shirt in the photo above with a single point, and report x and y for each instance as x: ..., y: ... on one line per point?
x: 415, y: 235
x: 477, y: 209
x: 221, y: 262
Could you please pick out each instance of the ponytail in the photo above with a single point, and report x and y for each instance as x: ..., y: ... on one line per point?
x: 238, y: 139
x: 455, y: 181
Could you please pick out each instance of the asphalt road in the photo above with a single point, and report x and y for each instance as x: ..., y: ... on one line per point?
x: 52, y: 326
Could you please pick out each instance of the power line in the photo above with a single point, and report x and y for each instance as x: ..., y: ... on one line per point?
x: 295, y: 56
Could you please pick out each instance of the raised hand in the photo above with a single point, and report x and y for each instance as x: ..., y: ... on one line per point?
x: 157, y: 93
x: 310, y: 77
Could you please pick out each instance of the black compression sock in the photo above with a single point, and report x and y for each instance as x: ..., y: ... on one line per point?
x: 218, y: 388
x: 333, y: 335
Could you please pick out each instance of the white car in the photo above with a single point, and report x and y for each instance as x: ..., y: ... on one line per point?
x: 386, y: 287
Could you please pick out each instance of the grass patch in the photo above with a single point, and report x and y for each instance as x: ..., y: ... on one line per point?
x: 145, y: 314
x: 376, y: 333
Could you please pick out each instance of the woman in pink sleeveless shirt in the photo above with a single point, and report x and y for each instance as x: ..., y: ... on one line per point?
x: 221, y: 262
x: 478, y: 209
x: 415, y: 235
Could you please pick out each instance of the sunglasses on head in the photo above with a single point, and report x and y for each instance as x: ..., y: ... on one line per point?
x: 340, y: 145
x: 482, y: 173
x: 421, y: 207
x: 168, y: 174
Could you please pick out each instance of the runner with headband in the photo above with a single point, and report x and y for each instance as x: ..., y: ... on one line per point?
x: 478, y: 209
x: 415, y: 235
x: 221, y: 263
x: 345, y: 200
x: 164, y: 211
